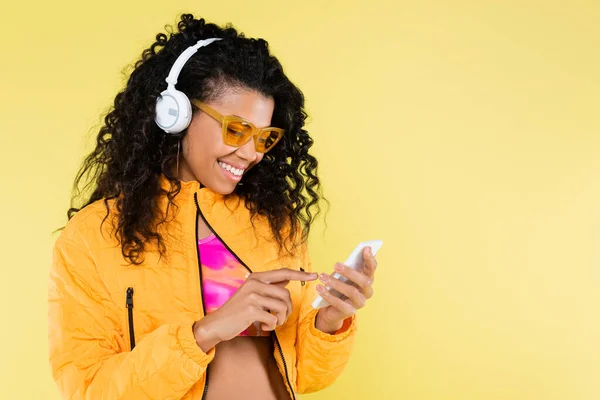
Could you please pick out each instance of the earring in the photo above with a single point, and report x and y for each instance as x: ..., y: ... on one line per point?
x: 178, y: 147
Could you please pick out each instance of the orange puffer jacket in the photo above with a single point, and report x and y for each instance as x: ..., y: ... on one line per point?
x: 100, y: 307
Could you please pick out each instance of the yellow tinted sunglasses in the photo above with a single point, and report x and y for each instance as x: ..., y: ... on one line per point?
x: 237, y: 131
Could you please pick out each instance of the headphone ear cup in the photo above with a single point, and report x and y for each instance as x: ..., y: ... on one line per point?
x: 173, y: 111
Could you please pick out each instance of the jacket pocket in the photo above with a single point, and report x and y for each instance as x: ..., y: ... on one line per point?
x: 129, y: 304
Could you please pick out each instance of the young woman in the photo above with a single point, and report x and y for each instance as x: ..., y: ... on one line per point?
x: 185, y: 275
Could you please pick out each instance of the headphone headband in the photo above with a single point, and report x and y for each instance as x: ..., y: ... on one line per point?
x: 184, y: 57
x: 173, y: 108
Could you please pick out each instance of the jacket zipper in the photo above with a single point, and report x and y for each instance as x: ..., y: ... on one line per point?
x: 201, y: 291
x: 129, y: 304
x: 199, y: 213
x: 287, y: 378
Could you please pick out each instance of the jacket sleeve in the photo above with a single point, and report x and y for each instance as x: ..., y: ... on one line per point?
x: 321, y: 357
x: 89, y: 358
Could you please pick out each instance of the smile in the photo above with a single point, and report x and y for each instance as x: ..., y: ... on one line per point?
x: 231, y: 169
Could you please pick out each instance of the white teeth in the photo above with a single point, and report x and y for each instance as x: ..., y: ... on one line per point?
x: 233, y: 170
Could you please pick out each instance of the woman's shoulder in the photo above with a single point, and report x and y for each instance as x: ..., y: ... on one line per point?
x: 90, y: 223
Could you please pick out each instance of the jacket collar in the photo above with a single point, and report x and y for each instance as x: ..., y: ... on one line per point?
x: 228, y: 216
x: 189, y: 188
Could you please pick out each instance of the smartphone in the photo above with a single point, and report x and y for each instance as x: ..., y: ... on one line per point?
x: 355, y: 261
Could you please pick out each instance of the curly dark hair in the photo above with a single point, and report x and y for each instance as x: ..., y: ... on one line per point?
x: 132, y: 152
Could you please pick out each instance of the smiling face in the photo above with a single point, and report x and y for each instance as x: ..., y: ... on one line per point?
x: 205, y: 158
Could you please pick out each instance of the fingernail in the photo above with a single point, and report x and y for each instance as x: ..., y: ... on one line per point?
x: 338, y: 267
x: 320, y: 288
x: 324, y: 277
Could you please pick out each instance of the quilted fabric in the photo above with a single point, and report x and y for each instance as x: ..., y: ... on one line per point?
x: 89, y: 340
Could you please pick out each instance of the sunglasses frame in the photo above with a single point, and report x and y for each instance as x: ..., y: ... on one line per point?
x: 226, y: 119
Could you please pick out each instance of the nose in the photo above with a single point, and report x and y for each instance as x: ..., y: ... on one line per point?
x: 248, y: 152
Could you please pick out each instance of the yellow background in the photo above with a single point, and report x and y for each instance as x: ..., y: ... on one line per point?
x: 462, y: 133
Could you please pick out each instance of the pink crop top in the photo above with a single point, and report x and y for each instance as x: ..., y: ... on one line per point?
x: 222, y: 275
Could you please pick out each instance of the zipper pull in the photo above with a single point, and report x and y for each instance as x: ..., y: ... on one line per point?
x: 129, y: 301
x: 129, y: 304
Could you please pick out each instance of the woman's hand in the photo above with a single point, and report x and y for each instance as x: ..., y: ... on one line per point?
x: 261, y: 292
x: 357, y: 291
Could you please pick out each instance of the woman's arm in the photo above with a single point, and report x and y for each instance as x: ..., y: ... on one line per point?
x: 321, y: 357
x: 88, y: 356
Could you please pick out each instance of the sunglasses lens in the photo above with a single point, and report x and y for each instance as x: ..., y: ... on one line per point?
x: 267, y: 140
x: 238, y: 133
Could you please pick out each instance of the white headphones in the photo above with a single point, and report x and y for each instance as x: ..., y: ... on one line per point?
x: 173, y: 108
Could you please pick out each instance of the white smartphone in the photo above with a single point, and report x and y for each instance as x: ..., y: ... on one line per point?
x: 355, y: 261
